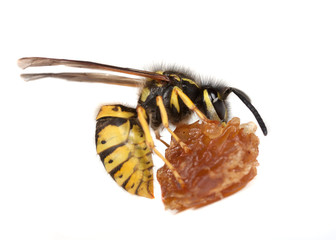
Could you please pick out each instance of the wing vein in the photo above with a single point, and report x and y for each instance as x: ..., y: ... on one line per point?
x: 88, y: 77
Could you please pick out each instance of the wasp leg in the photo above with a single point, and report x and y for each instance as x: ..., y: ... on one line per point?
x: 150, y: 143
x: 186, y: 100
x: 158, y: 137
x: 165, y: 122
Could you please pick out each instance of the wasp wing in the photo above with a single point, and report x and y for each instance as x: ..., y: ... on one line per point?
x: 88, y: 77
x: 122, y: 148
x: 40, y: 62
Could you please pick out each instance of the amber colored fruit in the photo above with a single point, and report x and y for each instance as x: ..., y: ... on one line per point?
x: 222, y: 161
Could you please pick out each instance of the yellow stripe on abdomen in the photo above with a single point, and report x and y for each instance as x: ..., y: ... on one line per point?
x: 117, y: 157
x: 123, y: 150
x: 112, y: 135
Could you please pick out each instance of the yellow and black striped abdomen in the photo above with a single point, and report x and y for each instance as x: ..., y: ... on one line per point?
x: 122, y: 148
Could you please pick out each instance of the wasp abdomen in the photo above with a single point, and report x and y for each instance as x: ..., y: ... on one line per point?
x: 122, y: 148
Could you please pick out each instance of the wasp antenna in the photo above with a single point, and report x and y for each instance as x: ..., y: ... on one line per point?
x: 246, y: 100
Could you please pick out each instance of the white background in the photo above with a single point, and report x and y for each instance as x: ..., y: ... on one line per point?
x: 282, y: 53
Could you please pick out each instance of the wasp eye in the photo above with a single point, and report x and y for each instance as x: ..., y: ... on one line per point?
x: 218, y: 104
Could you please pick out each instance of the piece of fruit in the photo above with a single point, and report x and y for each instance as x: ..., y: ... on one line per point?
x: 222, y: 161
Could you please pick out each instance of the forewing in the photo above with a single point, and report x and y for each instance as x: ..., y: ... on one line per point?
x: 88, y: 77
x: 40, y: 62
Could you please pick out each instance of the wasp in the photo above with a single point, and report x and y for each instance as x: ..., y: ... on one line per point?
x: 123, y: 139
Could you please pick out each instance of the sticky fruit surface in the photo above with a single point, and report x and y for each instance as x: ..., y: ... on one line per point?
x: 222, y: 161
